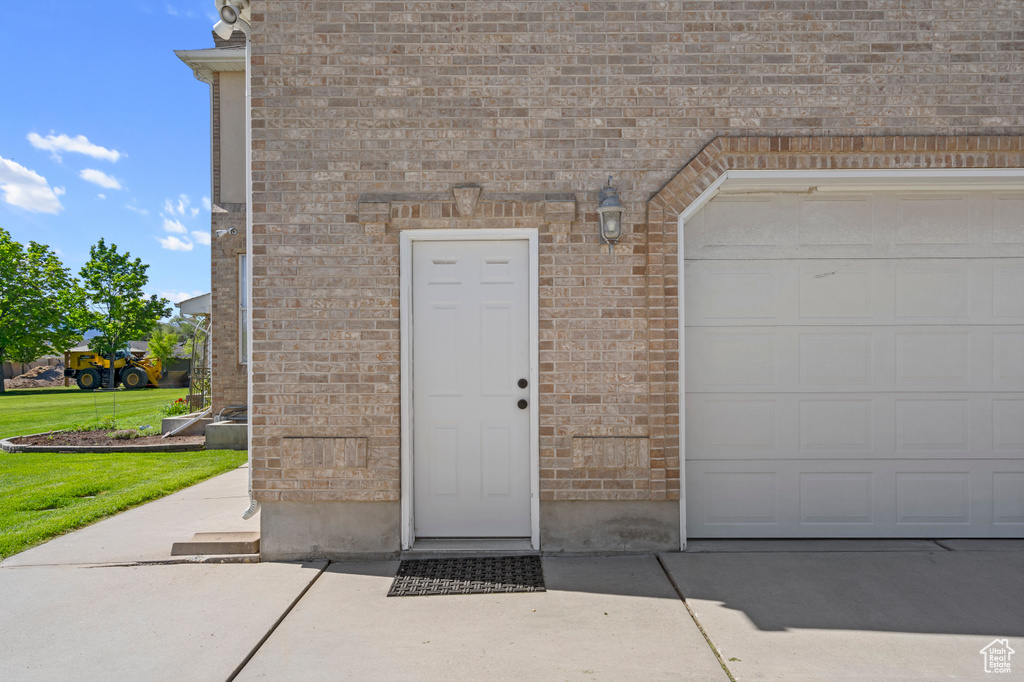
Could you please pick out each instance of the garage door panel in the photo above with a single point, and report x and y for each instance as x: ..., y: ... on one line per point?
x: 1008, y: 507
x: 929, y: 220
x: 787, y: 292
x: 856, y: 225
x: 918, y: 426
x: 851, y: 498
x: 1007, y: 219
x: 1008, y: 290
x: 857, y: 360
x: 1007, y: 357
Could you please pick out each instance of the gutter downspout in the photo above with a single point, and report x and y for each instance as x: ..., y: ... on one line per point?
x: 254, y: 505
x: 187, y: 424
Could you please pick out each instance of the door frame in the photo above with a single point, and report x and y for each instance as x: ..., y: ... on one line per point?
x: 405, y: 244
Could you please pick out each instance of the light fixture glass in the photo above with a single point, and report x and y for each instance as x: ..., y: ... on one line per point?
x: 228, y: 14
x: 609, y: 212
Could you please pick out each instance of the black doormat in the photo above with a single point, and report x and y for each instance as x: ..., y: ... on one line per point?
x: 477, y: 575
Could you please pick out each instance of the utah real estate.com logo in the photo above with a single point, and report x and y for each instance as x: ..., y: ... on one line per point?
x: 997, y: 656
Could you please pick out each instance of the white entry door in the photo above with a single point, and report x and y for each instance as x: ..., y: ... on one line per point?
x: 471, y: 366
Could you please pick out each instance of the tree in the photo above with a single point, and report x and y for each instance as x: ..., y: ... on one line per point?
x: 39, y: 302
x: 162, y: 346
x: 118, y: 309
x: 177, y: 325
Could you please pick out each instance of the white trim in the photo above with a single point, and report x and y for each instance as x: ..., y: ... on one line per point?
x: 244, y: 339
x: 681, y: 296
x: 856, y: 180
x: 205, y: 63
x: 405, y: 377
x: 197, y: 305
x: 806, y: 181
x: 253, y: 504
x: 405, y: 340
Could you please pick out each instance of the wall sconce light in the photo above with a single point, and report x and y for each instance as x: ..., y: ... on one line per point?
x: 234, y: 14
x: 609, y: 212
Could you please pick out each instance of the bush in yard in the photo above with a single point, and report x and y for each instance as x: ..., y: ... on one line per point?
x: 179, y: 406
x: 97, y: 424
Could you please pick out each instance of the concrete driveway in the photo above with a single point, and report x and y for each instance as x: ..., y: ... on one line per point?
x: 856, y: 610
x: 109, y: 602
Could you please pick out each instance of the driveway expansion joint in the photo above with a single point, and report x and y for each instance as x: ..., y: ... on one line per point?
x: 693, y: 616
x: 263, y: 640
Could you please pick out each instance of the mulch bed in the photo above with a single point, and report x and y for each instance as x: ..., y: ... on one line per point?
x: 59, y: 438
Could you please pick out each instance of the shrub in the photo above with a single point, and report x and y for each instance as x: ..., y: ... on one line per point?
x: 179, y: 406
x: 100, y: 424
x: 125, y: 434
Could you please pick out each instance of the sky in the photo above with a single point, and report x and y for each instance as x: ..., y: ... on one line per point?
x: 105, y: 133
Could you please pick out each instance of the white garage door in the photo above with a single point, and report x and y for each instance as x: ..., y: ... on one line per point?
x: 855, y: 365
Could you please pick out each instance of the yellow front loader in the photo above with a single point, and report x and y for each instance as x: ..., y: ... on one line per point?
x: 90, y: 370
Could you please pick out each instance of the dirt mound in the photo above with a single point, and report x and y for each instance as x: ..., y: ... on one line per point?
x: 103, y: 437
x: 39, y: 377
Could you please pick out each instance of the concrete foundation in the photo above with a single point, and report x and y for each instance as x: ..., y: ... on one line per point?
x: 168, y: 424
x: 329, y: 530
x: 227, y: 436
x: 609, y: 526
x: 372, y: 530
x: 237, y: 542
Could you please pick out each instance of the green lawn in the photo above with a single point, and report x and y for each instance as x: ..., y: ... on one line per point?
x: 43, y: 495
x: 34, y: 410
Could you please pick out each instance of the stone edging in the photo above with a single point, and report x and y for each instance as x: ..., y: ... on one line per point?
x: 7, y: 446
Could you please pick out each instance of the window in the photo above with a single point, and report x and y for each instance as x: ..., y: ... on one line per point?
x: 243, y: 308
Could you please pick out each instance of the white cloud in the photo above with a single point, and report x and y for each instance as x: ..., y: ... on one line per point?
x: 178, y: 296
x: 174, y: 226
x: 173, y: 11
x: 172, y: 243
x: 99, y: 178
x: 140, y: 211
x: 178, y: 208
x: 80, y: 144
x: 201, y: 237
x: 27, y: 189
x: 206, y: 204
x: 101, y: 196
x: 195, y: 212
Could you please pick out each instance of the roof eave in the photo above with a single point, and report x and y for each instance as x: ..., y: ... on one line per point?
x: 205, y: 63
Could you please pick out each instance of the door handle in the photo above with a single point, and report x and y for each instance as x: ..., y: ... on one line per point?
x: 522, y: 383
x: 522, y: 404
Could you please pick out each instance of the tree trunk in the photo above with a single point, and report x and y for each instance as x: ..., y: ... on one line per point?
x: 113, y: 372
x: 3, y: 383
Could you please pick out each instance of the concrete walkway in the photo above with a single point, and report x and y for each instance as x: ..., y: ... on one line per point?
x: 109, y: 602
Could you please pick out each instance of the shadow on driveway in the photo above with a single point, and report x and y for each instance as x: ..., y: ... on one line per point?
x: 978, y: 593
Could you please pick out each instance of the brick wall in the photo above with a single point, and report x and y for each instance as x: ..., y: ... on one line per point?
x: 367, y: 114
x: 229, y: 383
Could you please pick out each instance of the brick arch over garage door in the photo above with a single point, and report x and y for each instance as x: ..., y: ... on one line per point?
x: 767, y: 153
